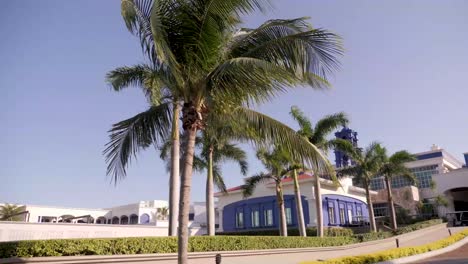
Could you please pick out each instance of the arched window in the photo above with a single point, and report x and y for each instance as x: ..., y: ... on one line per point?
x: 133, y: 219
x: 144, y: 219
x: 115, y: 220
x: 124, y: 220
x: 101, y: 220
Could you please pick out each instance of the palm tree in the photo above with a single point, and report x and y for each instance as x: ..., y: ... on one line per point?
x: 161, y: 91
x: 10, y: 212
x: 216, y: 149
x: 162, y: 213
x: 219, y: 72
x: 394, y: 166
x: 367, y: 166
x: 316, y: 135
x: 276, y: 162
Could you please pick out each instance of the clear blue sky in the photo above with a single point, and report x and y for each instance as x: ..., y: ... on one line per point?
x: 403, y: 82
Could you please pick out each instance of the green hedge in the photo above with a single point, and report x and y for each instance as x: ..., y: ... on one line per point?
x: 394, y: 253
x: 417, y: 226
x: 311, y: 232
x: 147, y: 245
x: 120, y: 246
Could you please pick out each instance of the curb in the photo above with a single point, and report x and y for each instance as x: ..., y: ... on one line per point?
x: 198, y: 255
x: 426, y: 255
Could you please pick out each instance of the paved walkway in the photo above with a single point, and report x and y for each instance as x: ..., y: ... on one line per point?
x: 458, y: 256
x: 412, y: 239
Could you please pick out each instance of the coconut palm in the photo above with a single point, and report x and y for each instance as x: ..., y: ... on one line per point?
x: 162, y: 213
x: 10, y: 212
x: 276, y: 162
x: 161, y: 91
x: 316, y: 135
x: 394, y: 166
x: 216, y: 148
x: 219, y: 72
x: 367, y: 166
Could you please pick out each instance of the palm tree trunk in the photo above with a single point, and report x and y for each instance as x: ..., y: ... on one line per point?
x: 184, y: 205
x: 174, y: 177
x: 391, y: 205
x: 300, y: 212
x: 279, y: 196
x: 370, y: 208
x: 318, y: 206
x: 210, y: 210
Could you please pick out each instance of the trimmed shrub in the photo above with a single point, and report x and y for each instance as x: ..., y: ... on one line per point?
x: 394, y: 253
x: 148, y: 245
x: 311, y: 232
x: 417, y: 226
x: 372, y: 236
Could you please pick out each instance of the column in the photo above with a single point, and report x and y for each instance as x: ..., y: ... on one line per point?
x: 220, y: 219
x: 312, y: 212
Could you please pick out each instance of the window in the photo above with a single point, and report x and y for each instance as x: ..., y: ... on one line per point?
x: 331, y: 213
x: 342, y: 214
x: 288, y: 216
x: 350, y: 215
x: 424, y: 175
x: 255, y: 217
x: 191, y: 216
x: 268, y: 217
x: 240, y: 219
x: 358, y: 210
x: 400, y: 181
x: 380, y: 209
x: 377, y: 184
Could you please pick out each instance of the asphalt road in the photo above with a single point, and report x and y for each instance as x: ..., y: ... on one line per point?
x: 458, y: 256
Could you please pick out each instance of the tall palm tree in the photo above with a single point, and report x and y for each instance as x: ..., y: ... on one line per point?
x: 394, y: 166
x: 10, y: 212
x: 216, y: 149
x: 220, y: 72
x: 161, y: 91
x: 368, y: 164
x: 276, y: 162
x: 316, y: 135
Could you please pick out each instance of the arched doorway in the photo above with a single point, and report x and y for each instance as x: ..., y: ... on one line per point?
x: 101, y: 220
x: 124, y: 220
x: 133, y: 219
x: 144, y: 219
x: 459, y: 198
x: 115, y: 220
x: 66, y: 218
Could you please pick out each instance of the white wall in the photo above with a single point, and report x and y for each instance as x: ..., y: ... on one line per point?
x: 15, y: 231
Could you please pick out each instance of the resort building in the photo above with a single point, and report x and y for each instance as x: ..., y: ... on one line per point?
x: 442, y: 185
x: 342, y: 205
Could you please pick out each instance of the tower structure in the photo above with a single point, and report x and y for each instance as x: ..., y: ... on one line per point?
x: 341, y: 159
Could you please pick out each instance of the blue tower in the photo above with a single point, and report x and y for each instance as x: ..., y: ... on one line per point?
x: 341, y: 159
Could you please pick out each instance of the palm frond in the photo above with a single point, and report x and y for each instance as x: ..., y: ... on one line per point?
x: 402, y: 156
x: 276, y: 133
x: 218, y: 179
x: 348, y: 148
x: 232, y: 153
x: 327, y: 125
x: 305, y: 126
x: 129, y: 136
x: 250, y: 183
x: 293, y: 44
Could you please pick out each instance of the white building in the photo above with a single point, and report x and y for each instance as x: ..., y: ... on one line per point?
x: 439, y: 174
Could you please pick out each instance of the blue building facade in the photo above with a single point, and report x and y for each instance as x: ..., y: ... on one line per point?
x: 263, y: 213
x: 340, y: 210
